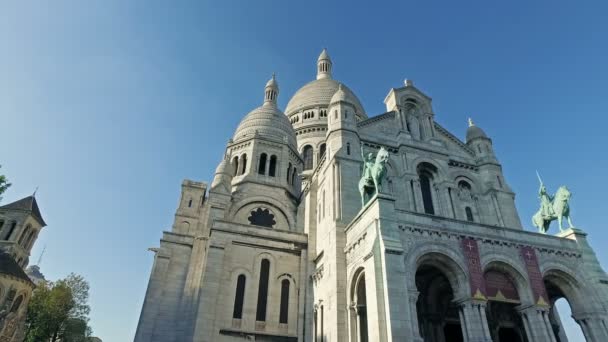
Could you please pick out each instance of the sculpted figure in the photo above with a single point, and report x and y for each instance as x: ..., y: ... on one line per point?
x: 546, y: 209
x: 372, y: 175
x: 552, y: 208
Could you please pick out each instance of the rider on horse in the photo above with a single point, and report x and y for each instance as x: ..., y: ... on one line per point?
x: 546, y: 206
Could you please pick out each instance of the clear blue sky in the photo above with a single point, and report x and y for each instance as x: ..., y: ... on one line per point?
x: 108, y: 105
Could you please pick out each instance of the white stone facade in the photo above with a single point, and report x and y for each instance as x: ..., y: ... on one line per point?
x: 279, y: 248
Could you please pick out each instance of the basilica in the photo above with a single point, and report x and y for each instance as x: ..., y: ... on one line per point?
x: 287, y: 244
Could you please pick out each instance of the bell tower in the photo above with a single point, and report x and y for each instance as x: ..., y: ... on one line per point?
x: 20, y: 224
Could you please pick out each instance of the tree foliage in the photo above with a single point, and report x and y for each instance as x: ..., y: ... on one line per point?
x: 59, y: 311
x: 4, y: 184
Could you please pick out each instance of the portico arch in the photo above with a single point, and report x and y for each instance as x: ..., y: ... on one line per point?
x: 562, y: 284
x: 507, y: 290
x: 358, y: 308
x: 439, y: 279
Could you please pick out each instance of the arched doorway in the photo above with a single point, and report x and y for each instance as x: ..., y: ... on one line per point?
x: 504, y: 321
x: 358, y: 309
x: 438, y: 317
x: 564, y: 299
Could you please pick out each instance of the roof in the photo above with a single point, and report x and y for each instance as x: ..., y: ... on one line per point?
x: 27, y: 204
x: 319, y: 93
x: 474, y: 132
x: 266, y: 121
x: 9, y: 266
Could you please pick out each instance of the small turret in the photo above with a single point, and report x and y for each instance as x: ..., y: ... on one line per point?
x: 479, y: 142
x: 223, y: 178
x: 324, y: 65
x: 271, y: 91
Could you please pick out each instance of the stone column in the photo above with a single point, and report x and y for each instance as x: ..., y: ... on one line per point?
x: 413, y: 298
x: 555, y: 319
x: 418, y: 196
x: 594, y: 327
x: 536, y: 322
x: 475, y: 324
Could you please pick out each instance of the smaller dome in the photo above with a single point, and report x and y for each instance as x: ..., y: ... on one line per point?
x: 222, y: 175
x: 267, y: 120
x: 223, y: 168
x: 474, y: 132
x: 341, y: 96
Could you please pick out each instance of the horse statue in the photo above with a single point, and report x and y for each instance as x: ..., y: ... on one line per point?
x: 373, y: 174
x: 552, y: 208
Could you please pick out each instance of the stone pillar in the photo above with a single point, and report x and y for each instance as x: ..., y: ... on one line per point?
x: 536, y: 322
x: 594, y: 327
x: 413, y: 298
x: 418, y: 196
x: 475, y: 324
x: 555, y: 320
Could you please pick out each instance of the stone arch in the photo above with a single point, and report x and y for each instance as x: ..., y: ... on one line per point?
x: 440, y: 281
x: 514, y: 271
x: 444, y: 257
x: 279, y: 208
x: 503, y: 319
x: 357, y: 306
x: 457, y: 177
x: 418, y: 99
x: 246, y: 296
x: 442, y: 173
x: 562, y: 282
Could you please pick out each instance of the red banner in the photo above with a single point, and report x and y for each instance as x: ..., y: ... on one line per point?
x: 536, y: 278
x: 476, y: 280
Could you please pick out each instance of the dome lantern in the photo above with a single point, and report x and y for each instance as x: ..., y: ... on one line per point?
x: 323, y: 65
x: 271, y: 91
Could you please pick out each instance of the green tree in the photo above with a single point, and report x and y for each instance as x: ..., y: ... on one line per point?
x: 59, y: 311
x: 4, y: 184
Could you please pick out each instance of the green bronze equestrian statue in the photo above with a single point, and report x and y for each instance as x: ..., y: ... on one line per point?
x: 373, y: 173
x: 552, y: 208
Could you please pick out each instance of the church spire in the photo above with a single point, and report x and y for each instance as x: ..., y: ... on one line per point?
x: 324, y: 65
x: 271, y: 91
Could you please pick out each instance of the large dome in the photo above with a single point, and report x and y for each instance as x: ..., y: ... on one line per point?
x: 319, y: 93
x: 268, y: 121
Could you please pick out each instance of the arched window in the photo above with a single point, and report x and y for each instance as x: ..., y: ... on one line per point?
x: 272, y: 167
x: 322, y: 151
x: 307, y: 155
x: 288, y: 172
x: 425, y: 173
x: 17, y: 304
x: 235, y: 166
x: 30, y: 240
x: 26, y: 231
x: 293, y: 176
x: 469, y: 213
x: 190, y: 203
x: 11, y: 229
x: 262, y: 165
x: 244, y: 163
x: 284, y: 309
x: 260, y: 314
x: 348, y: 149
x: 239, y: 297
x: 1, y: 224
